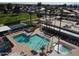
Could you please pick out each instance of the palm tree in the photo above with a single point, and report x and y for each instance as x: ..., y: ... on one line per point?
x: 64, y: 5
x: 9, y: 7
x: 45, y: 6
x: 42, y: 53
x: 16, y: 9
x: 50, y: 15
x: 39, y: 15
x: 49, y: 22
x: 61, y: 15
x: 3, y: 8
x: 70, y: 5
x: 30, y: 16
x: 75, y: 6
x: 55, y: 12
x: 30, y: 12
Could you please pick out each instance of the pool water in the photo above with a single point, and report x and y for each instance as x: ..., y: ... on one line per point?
x: 21, y: 38
x: 62, y: 49
x: 35, y: 42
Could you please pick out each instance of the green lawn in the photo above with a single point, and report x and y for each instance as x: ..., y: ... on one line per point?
x: 10, y: 17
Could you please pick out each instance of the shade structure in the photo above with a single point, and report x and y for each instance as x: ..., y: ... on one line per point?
x: 76, y: 11
x: 16, y: 26
x: 63, y: 31
x: 4, y: 28
x: 66, y: 11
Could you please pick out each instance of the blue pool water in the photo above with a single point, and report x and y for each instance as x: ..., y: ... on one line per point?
x: 62, y: 49
x: 21, y: 38
x: 35, y: 41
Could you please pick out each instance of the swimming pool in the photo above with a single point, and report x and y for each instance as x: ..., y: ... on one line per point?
x: 35, y: 42
x: 21, y: 38
x: 62, y: 49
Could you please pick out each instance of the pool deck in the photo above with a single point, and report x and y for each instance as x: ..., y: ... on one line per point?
x: 19, y: 47
x: 22, y: 47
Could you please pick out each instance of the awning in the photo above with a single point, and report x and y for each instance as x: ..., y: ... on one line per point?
x: 63, y: 31
x: 66, y: 11
x: 16, y: 26
x: 4, y: 28
x: 76, y: 11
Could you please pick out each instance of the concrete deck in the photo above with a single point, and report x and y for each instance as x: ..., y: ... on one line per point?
x: 22, y: 47
x: 19, y: 47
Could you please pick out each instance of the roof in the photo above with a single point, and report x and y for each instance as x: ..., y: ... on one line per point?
x: 16, y: 26
x: 71, y: 14
x: 76, y: 11
x: 66, y: 11
x: 42, y: 9
x: 4, y: 28
x: 64, y: 31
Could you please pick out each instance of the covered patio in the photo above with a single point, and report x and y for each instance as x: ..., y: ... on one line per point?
x: 4, y: 28
x: 17, y: 26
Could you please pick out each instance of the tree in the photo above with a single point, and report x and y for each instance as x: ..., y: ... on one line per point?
x: 39, y: 15
x: 30, y: 12
x: 42, y: 53
x: 2, y: 8
x: 9, y: 7
x: 45, y: 12
x: 71, y: 6
x: 61, y: 15
x: 50, y: 15
x: 64, y: 5
x: 5, y: 11
x: 30, y: 15
x: 75, y: 6
x: 39, y: 4
x: 16, y: 9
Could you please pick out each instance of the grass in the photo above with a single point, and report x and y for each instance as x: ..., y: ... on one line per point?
x: 12, y: 17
